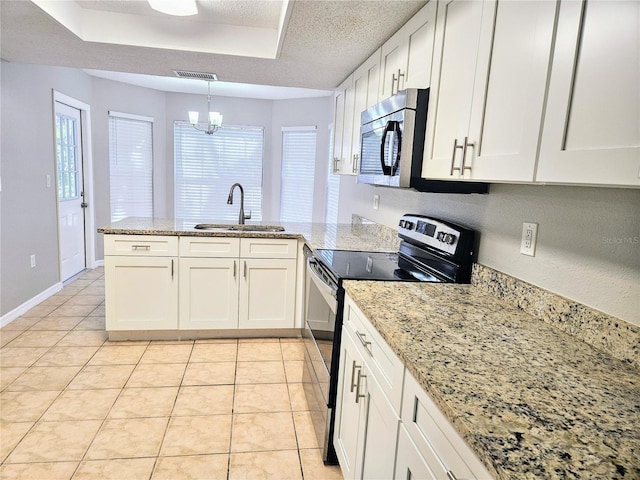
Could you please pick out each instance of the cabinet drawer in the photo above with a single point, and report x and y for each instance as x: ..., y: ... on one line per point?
x: 219, y: 247
x: 268, y: 248
x: 385, y: 365
x: 436, y: 439
x: 141, y: 245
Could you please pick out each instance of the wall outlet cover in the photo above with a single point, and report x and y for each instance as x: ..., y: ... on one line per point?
x: 376, y: 202
x: 529, y: 237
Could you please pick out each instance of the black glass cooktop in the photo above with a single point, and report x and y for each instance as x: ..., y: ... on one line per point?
x: 352, y: 265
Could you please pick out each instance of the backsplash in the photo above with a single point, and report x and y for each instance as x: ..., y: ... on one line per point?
x: 604, y: 332
x: 363, y: 227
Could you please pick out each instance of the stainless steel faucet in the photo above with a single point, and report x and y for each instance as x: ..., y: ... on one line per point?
x: 242, y: 217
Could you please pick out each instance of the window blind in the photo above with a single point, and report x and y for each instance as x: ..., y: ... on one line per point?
x: 298, y: 169
x: 207, y: 165
x: 130, y: 166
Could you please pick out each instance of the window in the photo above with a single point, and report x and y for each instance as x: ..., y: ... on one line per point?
x: 207, y: 165
x: 67, y: 156
x: 130, y: 165
x: 298, y: 168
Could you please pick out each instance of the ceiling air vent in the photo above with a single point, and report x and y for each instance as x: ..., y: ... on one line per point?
x: 196, y: 75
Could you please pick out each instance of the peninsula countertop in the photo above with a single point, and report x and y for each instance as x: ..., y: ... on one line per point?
x: 366, y: 236
x: 529, y: 399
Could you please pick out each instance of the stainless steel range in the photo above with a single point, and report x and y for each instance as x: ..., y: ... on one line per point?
x: 431, y: 250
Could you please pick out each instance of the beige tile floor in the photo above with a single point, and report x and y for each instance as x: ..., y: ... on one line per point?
x: 76, y: 406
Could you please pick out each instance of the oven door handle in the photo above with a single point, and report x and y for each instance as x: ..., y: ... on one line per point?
x: 312, y: 264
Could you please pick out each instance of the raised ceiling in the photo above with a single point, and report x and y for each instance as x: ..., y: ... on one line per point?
x: 303, y: 43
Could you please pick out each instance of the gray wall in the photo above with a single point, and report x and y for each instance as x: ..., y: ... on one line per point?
x: 29, y: 209
x: 588, y: 246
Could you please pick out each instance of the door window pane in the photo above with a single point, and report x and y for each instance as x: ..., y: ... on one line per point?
x: 67, y: 156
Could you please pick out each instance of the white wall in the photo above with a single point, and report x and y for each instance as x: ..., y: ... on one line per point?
x: 588, y: 245
x: 29, y: 209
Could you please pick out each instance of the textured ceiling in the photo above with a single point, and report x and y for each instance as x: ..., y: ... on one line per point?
x: 324, y: 40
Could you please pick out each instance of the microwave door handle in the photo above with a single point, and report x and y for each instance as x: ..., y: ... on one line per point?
x: 398, y: 139
x: 386, y: 169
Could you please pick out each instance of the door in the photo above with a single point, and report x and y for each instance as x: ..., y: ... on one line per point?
x: 71, y: 203
x: 267, y: 293
x: 208, y: 293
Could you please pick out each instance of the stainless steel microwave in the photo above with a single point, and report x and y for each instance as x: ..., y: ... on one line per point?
x: 392, y: 136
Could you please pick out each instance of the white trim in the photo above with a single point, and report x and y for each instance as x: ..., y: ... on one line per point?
x: 98, y: 263
x: 29, y: 304
x: 306, y: 129
x: 87, y: 158
x: 130, y: 116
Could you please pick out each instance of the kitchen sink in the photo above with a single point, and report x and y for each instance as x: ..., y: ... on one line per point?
x: 239, y: 228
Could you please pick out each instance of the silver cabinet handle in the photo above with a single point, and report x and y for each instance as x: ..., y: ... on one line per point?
x: 466, y: 145
x: 245, y: 269
x: 450, y: 475
x: 453, y: 157
x: 234, y: 269
x: 336, y: 162
x: 358, y: 394
x: 363, y: 340
x: 172, y: 268
x: 393, y: 80
x: 398, y: 84
x: 353, y: 374
x: 354, y: 163
x: 141, y: 247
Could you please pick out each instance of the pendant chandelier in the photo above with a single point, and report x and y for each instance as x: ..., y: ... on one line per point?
x: 215, y: 118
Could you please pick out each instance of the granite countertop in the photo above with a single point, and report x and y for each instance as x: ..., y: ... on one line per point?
x: 530, y: 400
x: 365, y: 236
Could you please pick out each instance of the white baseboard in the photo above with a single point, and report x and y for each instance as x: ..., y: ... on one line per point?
x: 98, y: 263
x: 29, y: 304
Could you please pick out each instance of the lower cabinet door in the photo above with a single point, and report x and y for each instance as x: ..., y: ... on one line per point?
x: 410, y: 465
x: 141, y: 293
x: 380, y: 435
x: 208, y: 293
x: 267, y: 293
x: 348, y: 411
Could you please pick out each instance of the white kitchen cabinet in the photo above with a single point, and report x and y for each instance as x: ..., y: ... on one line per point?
x: 141, y: 284
x: 488, y: 90
x: 405, y: 60
x: 209, y: 293
x: 343, y: 104
x: 366, y: 420
x: 591, y: 131
x: 209, y: 283
x: 429, y: 446
x: 365, y: 94
x: 267, y: 283
x: 267, y: 293
x: 366, y: 423
x: 141, y: 292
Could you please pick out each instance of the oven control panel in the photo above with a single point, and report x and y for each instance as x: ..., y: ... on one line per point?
x: 442, y: 236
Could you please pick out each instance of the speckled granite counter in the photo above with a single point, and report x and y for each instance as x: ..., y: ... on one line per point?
x: 532, y: 401
x: 360, y: 235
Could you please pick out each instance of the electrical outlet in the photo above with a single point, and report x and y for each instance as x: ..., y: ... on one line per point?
x: 33, y: 261
x: 529, y: 237
x: 48, y: 181
x: 376, y: 202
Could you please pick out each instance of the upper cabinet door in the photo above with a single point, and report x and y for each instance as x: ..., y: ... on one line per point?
x: 509, y: 92
x: 591, y: 131
x: 405, y: 59
x: 457, y: 40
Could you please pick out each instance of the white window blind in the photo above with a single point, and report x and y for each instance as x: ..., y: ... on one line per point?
x: 130, y: 166
x: 207, y: 165
x: 333, y: 188
x: 298, y: 169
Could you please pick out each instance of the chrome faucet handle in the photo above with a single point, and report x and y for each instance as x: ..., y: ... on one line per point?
x: 248, y: 216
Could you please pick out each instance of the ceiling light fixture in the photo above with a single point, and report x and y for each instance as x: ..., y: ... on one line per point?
x: 179, y: 8
x: 215, y: 118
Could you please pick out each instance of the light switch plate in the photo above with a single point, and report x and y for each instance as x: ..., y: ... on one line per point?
x: 529, y: 237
